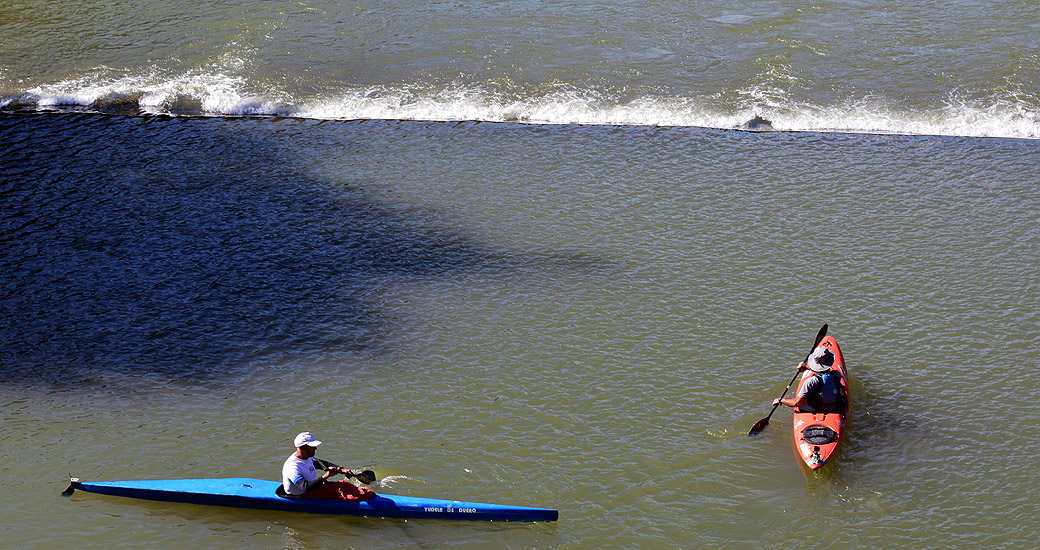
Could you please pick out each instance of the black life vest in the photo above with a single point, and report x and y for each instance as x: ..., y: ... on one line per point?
x: 831, y: 396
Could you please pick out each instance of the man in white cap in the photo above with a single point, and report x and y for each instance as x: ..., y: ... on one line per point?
x: 823, y: 392
x: 299, y: 477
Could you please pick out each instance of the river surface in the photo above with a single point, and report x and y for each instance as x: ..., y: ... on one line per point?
x: 529, y: 253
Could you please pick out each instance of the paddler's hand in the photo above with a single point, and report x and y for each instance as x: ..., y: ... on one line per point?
x: 802, y: 366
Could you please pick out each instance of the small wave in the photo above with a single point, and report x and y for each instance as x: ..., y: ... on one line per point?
x: 389, y: 481
x: 221, y: 95
x: 193, y: 94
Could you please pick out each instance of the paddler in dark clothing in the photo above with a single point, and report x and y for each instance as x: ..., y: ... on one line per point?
x: 823, y: 392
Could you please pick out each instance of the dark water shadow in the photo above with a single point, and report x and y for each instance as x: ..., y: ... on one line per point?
x: 192, y: 248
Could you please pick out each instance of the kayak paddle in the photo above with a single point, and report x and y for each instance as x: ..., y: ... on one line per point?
x: 364, y: 476
x: 761, y: 424
x: 71, y: 488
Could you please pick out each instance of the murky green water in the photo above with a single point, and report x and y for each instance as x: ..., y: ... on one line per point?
x: 585, y: 318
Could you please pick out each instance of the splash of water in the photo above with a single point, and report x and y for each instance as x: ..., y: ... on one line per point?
x: 215, y: 93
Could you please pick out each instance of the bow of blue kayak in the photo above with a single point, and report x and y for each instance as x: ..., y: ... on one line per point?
x: 260, y: 494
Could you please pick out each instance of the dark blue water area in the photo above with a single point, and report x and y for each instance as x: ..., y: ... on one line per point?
x: 191, y: 248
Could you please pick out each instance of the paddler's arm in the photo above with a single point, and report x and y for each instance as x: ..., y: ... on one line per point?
x: 790, y: 401
x: 793, y: 401
x: 338, y: 470
x: 332, y: 469
x: 308, y: 487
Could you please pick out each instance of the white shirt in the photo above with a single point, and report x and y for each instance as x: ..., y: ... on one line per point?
x: 297, y: 475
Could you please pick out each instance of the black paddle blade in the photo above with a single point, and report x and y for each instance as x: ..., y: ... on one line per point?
x: 71, y: 488
x: 365, y: 476
x: 819, y: 336
x: 758, y: 427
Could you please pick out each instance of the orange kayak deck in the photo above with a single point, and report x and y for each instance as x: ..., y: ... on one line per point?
x: 818, y: 435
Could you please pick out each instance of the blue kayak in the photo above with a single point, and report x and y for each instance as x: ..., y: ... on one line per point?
x: 261, y: 494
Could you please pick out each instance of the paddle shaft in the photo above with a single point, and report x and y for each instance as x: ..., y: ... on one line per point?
x: 761, y: 424
x: 365, y: 476
x: 789, y: 384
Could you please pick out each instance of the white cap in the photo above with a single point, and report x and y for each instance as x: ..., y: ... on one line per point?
x: 821, y: 360
x: 305, y: 438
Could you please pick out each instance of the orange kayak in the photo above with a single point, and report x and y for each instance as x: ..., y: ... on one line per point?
x: 818, y: 435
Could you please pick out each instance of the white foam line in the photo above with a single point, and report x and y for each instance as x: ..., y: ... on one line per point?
x: 219, y: 94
